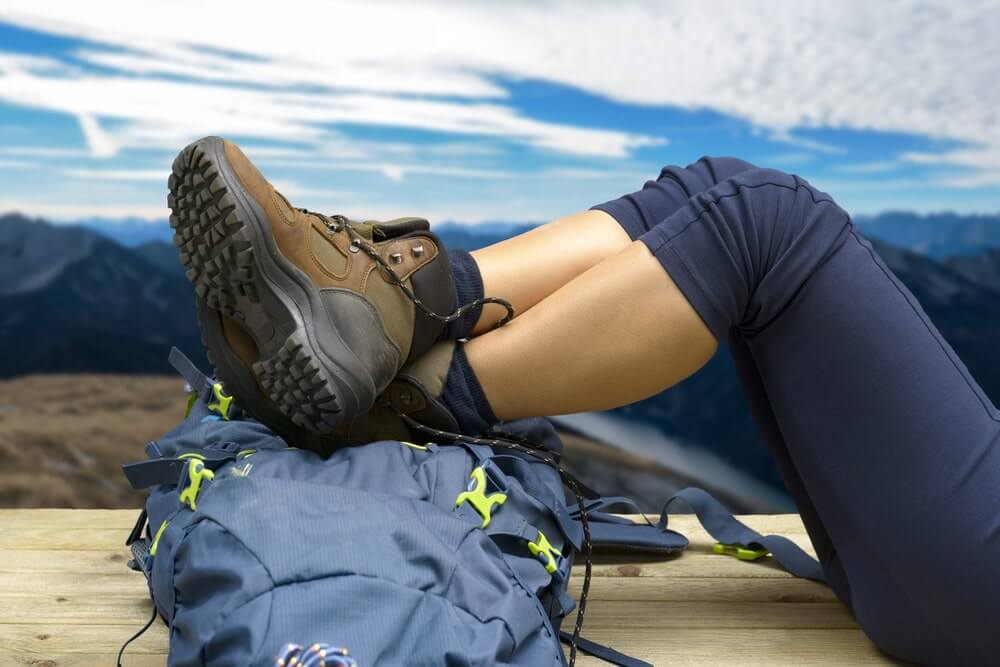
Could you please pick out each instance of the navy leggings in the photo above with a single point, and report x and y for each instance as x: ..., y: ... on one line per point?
x: 885, y: 441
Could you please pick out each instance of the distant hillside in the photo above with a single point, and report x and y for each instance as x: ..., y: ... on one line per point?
x: 72, y: 300
x: 937, y: 235
x: 710, y: 408
x: 129, y: 232
x: 982, y: 269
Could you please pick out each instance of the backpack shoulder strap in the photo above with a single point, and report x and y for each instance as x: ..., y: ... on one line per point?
x: 747, y: 543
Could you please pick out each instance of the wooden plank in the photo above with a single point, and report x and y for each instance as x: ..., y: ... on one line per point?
x: 26, y: 561
x: 49, y: 659
x: 75, y: 538
x: 73, y: 585
x: 65, y: 638
x: 651, y: 614
x: 705, y: 589
x: 107, y: 529
x: 712, y: 646
x: 698, y: 561
x: 66, y: 597
x: 758, y: 646
x: 64, y: 518
x: 124, y: 582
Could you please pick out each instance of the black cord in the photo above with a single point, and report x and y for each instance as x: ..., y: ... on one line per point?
x: 149, y: 623
x: 568, y: 479
x: 337, y: 223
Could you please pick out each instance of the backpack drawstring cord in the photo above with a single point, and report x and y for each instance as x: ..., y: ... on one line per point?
x: 569, y: 480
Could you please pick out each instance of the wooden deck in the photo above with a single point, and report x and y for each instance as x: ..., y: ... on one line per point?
x: 67, y: 599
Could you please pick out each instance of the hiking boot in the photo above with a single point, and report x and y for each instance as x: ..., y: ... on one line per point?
x: 414, y: 392
x: 322, y: 311
x: 413, y: 398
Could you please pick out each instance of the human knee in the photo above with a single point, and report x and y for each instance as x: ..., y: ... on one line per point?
x: 711, y: 169
x: 777, y: 230
x: 784, y: 207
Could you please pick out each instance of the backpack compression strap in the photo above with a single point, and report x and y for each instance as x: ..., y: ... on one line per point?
x: 605, y: 653
x: 731, y: 533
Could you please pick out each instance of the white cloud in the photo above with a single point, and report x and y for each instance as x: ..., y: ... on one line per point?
x: 876, y: 167
x: 141, y: 175
x: 101, y: 145
x: 43, y: 151
x: 786, y: 137
x: 39, y: 207
x: 394, y: 172
x: 166, y: 112
x: 293, y: 75
x: 904, y: 66
x: 18, y: 164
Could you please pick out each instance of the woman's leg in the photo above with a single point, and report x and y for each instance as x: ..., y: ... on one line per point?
x: 889, y: 446
x: 617, y: 333
x: 527, y: 268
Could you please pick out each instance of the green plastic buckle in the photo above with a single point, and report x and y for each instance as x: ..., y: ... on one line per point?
x: 192, y: 399
x: 549, y: 554
x: 197, y: 473
x: 156, y: 538
x: 739, y: 551
x: 222, y: 402
x: 477, y: 496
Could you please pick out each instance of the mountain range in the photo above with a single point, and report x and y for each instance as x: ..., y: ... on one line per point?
x: 937, y: 235
x: 74, y: 299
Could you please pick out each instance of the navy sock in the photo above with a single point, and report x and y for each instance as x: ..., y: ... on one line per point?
x: 464, y: 396
x: 468, y: 288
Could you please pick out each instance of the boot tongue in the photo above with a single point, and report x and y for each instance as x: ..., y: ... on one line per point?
x: 390, y: 229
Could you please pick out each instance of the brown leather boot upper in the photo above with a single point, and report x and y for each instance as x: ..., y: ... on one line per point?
x: 333, y: 260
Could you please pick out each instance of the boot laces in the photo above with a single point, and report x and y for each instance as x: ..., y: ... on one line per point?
x: 337, y: 223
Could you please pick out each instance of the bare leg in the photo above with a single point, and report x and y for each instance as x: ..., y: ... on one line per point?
x: 527, y: 268
x: 588, y: 345
x: 890, y: 447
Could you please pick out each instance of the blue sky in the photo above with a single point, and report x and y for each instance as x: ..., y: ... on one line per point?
x: 480, y: 111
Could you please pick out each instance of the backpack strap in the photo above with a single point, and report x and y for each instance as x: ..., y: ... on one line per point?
x: 168, y: 470
x: 202, y: 387
x: 603, y: 652
x: 497, y: 480
x: 736, y: 538
x: 197, y: 380
x: 608, y: 530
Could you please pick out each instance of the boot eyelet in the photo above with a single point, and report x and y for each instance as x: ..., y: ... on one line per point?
x: 355, y: 245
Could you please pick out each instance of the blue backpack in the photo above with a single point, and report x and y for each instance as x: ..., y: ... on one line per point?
x: 396, y: 553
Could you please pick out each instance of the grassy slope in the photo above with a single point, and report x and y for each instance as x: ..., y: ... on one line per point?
x: 63, y: 439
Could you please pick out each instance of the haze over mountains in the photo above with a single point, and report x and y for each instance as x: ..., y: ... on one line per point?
x: 73, y: 299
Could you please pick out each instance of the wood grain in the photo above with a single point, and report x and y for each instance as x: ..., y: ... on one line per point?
x: 67, y: 599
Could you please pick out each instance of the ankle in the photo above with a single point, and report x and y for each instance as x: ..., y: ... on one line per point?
x: 468, y: 288
x: 464, y: 396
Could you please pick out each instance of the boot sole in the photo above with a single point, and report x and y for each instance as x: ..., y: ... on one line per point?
x: 233, y: 371
x: 227, y: 247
